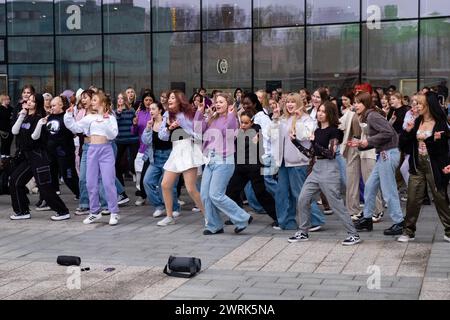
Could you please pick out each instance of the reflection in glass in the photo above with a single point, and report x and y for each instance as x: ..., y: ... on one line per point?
x: 433, y: 8
x: 225, y: 14
x: 125, y: 67
x: 2, y: 17
x: 278, y: 13
x: 389, y: 55
x: 330, y: 11
x: 173, y: 15
x: 30, y: 49
x: 279, y: 57
x: 176, y: 61
x: 30, y: 17
x: 227, y: 59
x: 78, y: 70
x: 78, y: 16
x: 126, y: 16
x: 40, y: 75
x: 333, y: 57
x: 392, y: 9
x: 435, y: 52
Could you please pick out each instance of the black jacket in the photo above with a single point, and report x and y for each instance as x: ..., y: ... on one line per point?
x: 437, y: 151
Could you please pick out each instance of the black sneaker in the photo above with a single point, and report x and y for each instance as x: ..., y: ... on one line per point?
x: 351, y: 240
x: 208, y: 232
x: 20, y: 216
x: 426, y: 202
x: 328, y: 211
x: 275, y: 225
x: 394, y: 230
x: 299, y: 237
x: 358, y: 216
x: 43, y: 206
x: 364, y: 224
x: 61, y: 216
x: 228, y: 223
x: 122, y: 199
x: 239, y: 230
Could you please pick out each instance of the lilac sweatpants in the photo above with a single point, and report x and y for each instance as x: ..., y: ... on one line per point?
x: 101, y: 160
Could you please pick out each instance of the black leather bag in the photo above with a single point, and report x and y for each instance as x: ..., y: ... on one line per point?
x: 68, y: 260
x: 182, y: 267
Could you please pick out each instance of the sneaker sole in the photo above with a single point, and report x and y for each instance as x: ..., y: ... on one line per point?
x: 59, y: 219
x: 43, y: 209
x: 165, y: 225
x: 123, y: 202
x: 315, y: 229
x: 294, y: 241
x: 405, y: 241
x: 351, y: 243
x: 16, y: 219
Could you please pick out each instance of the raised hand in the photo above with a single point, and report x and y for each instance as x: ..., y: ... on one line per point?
x: 70, y: 110
x: 174, y: 125
x: 446, y: 170
x: 438, y: 135
x: 410, y: 125
x: 149, y: 125
x: 135, y: 121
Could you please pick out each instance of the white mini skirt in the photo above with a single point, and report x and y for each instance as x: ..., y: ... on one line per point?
x: 185, y: 155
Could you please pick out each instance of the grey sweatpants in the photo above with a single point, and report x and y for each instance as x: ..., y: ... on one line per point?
x: 324, y: 176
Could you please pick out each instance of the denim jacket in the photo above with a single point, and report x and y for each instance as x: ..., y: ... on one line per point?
x: 147, y: 139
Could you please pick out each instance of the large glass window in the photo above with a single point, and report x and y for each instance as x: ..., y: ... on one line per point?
x: 226, y: 14
x: 435, y: 52
x: 176, y: 61
x: 78, y: 16
x: 125, y: 67
x: 39, y: 75
x: 279, y: 57
x: 172, y: 15
x: 389, y: 55
x: 227, y: 59
x: 30, y: 49
x: 333, y: 57
x: 122, y: 16
x: 433, y: 8
x: 331, y: 11
x: 278, y: 13
x: 2, y: 17
x: 30, y: 17
x: 78, y: 62
x: 391, y: 9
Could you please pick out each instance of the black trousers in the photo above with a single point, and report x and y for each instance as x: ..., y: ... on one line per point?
x: 241, y: 176
x: 141, y: 182
x: 62, y: 164
x: 36, y: 164
x: 6, y: 143
x: 121, y: 152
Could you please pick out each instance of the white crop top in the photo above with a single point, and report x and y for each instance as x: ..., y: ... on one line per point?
x: 93, y: 124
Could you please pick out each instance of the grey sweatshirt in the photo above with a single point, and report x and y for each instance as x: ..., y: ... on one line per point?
x: 381, y: 134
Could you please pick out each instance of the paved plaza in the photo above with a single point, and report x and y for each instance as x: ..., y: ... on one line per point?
x: 258, y: 264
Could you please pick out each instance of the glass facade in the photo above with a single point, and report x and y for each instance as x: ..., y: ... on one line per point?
x: 223, y: 44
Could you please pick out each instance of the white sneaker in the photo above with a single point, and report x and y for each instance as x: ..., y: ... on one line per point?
x: 181, y: 202
x: 166, y: 221
x: 405, y: 238
x: 195, y: 209
x: 60, y: 217
x: 158, y: 213
x: 105, y: 212
x: 92, y: 218
x: 140, y: 202
x: 315, y: 228
x: 114, y: 220
x: 35, y: 190
x: 23, y: 216
x: 175, y: 214
x: 404, y: 198
x: 446, y: 238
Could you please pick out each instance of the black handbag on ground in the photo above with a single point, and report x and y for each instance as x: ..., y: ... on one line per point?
x: 68, y: 260
x: 182, y: 267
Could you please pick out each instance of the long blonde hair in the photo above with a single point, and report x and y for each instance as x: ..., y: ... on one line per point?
x: 230, y: 102
x: 296, y: 98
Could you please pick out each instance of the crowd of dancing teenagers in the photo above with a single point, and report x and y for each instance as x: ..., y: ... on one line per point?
x: 295, y: 156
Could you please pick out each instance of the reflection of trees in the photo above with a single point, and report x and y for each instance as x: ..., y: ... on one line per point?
x: 284, y: 12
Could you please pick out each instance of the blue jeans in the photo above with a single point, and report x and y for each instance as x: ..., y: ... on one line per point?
x: 84, y: 195
x: 216, y: 175
x: 152, y: 181
x: 290, y: 183
x: 383, y: 175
